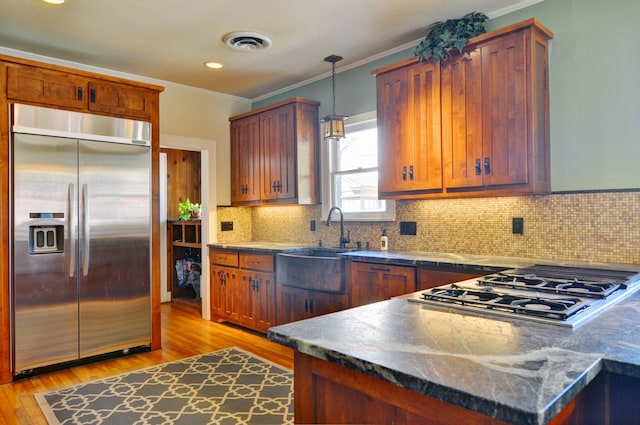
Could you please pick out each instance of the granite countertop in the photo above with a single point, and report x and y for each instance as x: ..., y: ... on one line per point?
x: 260, y: 246
x: 514, y: 370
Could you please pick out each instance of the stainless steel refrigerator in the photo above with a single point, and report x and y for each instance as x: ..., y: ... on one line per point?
x: 80, y: 257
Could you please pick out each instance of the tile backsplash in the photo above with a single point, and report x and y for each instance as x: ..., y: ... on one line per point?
x: 599, y: 227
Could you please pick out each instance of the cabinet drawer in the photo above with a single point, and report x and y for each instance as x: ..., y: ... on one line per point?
x: 224, y: 258
x: 257, y: 262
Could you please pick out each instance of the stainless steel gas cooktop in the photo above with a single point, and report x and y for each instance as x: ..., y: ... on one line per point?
x: 565, y: 296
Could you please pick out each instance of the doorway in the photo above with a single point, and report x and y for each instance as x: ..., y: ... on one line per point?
x: 185, y: 170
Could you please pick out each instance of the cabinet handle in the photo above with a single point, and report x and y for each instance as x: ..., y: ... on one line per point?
x: 92, y: 95
x: 79, y: 93
x: 404, y: 173
x: 478, y: 168
x: 306, y: 305
x: 380, y: 269
x: 487, y: 165
x: 411, y: 172
x: 311, y: 306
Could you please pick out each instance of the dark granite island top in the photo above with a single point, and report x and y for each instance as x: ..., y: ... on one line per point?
x: 509, y: 369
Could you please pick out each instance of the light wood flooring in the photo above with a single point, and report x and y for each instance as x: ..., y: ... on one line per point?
x: 184, y: 334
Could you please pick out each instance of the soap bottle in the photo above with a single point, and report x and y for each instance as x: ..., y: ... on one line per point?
x: 384, y: 241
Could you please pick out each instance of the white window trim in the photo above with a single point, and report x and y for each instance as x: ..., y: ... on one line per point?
x: 352, y: 123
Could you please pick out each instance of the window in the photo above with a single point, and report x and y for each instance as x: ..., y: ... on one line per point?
x: 351, y: 173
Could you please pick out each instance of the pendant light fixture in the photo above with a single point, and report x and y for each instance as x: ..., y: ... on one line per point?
x: 333, y: 124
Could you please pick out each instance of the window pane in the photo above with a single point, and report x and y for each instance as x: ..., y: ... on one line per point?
x: 358, y: 192
x: 359, y: 149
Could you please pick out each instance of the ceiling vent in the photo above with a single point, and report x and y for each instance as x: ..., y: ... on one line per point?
x: 247, y: 41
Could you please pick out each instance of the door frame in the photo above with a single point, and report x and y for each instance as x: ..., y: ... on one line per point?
x: 207, y: 149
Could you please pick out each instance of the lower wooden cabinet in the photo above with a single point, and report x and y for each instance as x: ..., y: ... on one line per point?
x: 297, y: 304
x: 224, y: 283
x: 256, y: 300
x: 242, y: 288
x: 432, y: 277
x: 371, y: 282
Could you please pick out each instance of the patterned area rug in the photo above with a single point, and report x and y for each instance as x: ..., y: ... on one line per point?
x: 229, y: 386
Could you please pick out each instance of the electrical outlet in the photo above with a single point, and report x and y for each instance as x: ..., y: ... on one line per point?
x: 226, y: 226
x: 517, y: 225
x: 312, y: 225
x: 408, y: 228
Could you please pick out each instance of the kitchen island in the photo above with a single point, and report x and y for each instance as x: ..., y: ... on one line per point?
x: 463, y: 367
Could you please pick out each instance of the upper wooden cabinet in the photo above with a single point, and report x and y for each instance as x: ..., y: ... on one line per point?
x: 245, y: 160
x: 275, y: 154
x: 55, y: 88
x: 409, y: 137
x: 492, y: 118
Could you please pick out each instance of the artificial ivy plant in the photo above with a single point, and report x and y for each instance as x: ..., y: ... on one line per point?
x: 444, y: 39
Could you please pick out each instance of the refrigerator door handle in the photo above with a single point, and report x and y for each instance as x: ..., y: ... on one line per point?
x: 86, y: 237
x: 70, y: 231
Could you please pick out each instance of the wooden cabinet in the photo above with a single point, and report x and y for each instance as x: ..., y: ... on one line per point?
x: 275, y: 154
x: 46, y: 86
x: 245, y: 160
x: 409, y: 137
x: 256, y: 300
x: 224, y: 284
x: 489, y: 109
x: 371, y: 282
x: 60, y: 89
x: 185, y: 262
x: 242, y: 288
x: 297, y: 303
x: 117, y: 99
x: 429, y: 277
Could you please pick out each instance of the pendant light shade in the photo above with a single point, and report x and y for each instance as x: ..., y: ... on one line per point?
x: 333, y: 124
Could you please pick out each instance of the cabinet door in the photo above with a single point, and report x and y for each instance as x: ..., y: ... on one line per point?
x: 28, y: 83
x: 223, y: 284
x: 277, y: 133
x: 256, y: 300
x: 297, y: 304
x: 504, y: 111
x: 245, y: 160
x: 462, y: 121
x: 324, y: 303
x: 393, y: 129
x: 377, y: 282
x: 293, y: 304
x: 409, y: 138
x: 120, y: 99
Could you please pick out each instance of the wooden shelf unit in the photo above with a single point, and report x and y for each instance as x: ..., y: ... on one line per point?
x: 185, y: 238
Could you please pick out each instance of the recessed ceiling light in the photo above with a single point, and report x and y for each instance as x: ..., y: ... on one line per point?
x: 53, y: 1
x: 247, y: 41
x: 213, y: 65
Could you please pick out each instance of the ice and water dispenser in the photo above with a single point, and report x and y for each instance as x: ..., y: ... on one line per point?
x: 46, y: 233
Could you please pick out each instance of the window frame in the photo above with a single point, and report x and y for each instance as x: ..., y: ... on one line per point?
x: 329, y: 153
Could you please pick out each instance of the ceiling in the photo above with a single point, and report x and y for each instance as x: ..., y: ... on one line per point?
x: 170, y: 40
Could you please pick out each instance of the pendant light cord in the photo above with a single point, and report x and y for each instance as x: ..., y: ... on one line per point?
x: 333, y: 82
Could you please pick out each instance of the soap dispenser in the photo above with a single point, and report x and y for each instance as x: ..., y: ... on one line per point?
x: 384, y: 240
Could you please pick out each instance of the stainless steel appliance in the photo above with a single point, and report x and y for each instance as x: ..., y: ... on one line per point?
x: 565, y: 296
x: 80, y: 252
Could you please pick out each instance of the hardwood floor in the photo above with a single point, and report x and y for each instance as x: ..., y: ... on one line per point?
x: 184, y: 334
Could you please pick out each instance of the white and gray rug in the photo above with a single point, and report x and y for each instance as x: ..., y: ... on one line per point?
x: 229, y: 386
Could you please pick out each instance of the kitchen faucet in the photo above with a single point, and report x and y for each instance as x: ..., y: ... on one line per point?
x: 344, y: 240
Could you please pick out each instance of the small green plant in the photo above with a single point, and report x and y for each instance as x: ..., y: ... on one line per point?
x: 186, y: 209
x: 444, y: 39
